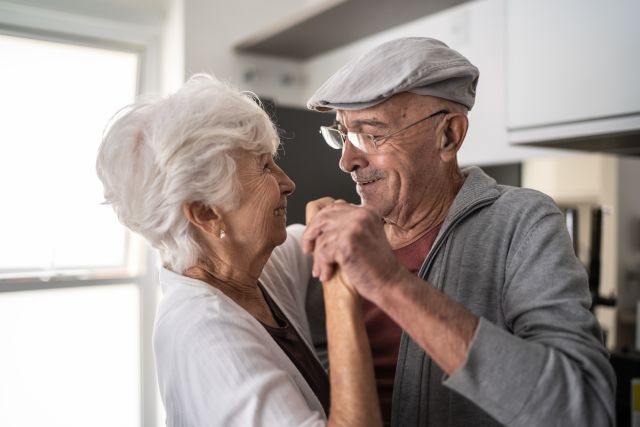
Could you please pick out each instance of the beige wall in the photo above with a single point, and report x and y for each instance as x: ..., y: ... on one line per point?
x: 586, y: 181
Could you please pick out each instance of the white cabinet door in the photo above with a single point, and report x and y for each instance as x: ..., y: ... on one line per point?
x: 571, y: 60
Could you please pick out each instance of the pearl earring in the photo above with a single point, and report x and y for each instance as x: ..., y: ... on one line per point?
x: 222, y: 233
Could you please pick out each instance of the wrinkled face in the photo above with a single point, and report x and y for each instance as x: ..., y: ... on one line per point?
x: 260, y: 219
x: 406, y: 168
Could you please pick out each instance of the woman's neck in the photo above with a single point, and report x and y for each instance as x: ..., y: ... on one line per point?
x: 238, y: 281
x: 237, y: 285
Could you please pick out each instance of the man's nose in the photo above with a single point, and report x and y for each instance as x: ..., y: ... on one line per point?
x: 352, y: 158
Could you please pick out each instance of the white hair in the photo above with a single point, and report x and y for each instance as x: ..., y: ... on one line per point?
x: 159, y: 154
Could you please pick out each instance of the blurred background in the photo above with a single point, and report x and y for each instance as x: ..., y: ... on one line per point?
x: 557, y: 109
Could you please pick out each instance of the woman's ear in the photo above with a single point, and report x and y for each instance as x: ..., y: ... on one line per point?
x: 203, y: 217
x: 453, y: 136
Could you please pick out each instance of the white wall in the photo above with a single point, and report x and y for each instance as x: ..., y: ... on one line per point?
x: 212, y: 28
x: 586, y: 181
x: 173, y: 48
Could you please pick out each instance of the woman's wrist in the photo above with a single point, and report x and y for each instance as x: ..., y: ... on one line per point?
x: 339, y: 294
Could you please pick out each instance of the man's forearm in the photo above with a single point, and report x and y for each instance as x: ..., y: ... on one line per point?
x: 437, y: 323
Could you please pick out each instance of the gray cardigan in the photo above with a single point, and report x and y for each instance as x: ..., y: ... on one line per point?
x: 537, y: 358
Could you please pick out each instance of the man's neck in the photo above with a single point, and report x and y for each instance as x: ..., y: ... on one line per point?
x: 428, y: 213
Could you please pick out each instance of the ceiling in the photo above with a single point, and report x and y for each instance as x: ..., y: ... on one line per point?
x: 340, y: 23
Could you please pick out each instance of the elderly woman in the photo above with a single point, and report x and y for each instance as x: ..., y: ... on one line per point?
x: 194, y: 174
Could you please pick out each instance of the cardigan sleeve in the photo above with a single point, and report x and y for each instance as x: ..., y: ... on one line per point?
x: 549, y: 367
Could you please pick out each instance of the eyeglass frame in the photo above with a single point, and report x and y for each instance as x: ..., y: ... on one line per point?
x: 370, y: 138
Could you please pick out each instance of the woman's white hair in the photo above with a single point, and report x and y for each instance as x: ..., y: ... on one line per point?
x: 158, y: 154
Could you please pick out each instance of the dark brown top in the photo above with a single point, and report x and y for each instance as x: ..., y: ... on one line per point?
x: 384, y: 334
x: 298, y: 352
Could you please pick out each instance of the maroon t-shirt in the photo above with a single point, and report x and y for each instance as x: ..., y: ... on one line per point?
x: 384, y: 334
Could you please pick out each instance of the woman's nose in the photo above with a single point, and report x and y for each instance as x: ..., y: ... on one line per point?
x: 287, y: 186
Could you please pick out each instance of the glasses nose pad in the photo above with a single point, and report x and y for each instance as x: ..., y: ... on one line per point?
x: 342, y: 138
x: 356, y: 141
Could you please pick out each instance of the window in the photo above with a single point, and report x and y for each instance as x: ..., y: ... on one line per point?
x: 70, y: 357
x: 75, y: 303
x: 56, y: 99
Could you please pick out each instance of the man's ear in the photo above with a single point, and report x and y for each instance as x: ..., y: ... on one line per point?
x: 453, y: 136
x: 203, y: 217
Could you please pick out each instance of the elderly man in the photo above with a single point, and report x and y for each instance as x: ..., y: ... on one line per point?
x: 470, y: 287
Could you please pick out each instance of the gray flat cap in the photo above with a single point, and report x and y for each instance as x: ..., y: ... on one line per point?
x: 414, y: 64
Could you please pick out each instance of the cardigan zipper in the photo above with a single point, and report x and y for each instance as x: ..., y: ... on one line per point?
x: 422, y: 273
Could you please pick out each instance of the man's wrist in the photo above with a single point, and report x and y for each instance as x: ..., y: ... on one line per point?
x: 390, y: 287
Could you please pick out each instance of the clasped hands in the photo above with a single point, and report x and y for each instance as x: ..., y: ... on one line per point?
x: 350, y: 239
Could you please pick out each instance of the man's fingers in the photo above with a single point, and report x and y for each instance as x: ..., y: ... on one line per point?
x: 311, y: 233
x: 327, y: 272
x: 323, y: 221
x: 323, y: 255
x: 322, y: 269
x: 308, y: 246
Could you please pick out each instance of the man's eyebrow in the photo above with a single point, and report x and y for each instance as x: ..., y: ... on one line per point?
x: 365, y: 122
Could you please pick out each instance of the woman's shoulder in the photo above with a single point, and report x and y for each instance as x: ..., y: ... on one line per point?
x: 191, y: 309
x: 214, y: 360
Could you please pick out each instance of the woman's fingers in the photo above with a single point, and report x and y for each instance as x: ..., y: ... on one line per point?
x: 322, y: 222
x: 315, y: 206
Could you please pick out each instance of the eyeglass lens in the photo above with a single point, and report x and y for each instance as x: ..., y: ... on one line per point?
x: 333, y: 137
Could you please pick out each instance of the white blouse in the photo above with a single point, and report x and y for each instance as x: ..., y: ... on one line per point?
x: 218, y: 366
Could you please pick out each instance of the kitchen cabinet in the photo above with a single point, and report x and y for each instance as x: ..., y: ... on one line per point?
x: 570, y: 61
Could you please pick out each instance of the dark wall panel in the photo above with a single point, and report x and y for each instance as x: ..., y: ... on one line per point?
x: 506, y: 174
x: 308, y: 160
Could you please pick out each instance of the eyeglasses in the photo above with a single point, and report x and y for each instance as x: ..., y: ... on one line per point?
x: 368, y: 143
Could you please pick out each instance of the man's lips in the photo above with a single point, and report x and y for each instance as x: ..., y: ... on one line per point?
x: 364, y: 187
x: 367, y: 181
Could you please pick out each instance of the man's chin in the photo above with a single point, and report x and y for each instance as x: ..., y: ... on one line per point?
x: 376, y: 207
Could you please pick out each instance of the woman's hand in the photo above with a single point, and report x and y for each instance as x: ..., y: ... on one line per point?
x: 354, y: 398
x: 315, y: 206
x: 337, y: 285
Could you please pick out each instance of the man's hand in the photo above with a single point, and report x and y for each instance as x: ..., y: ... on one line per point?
x: 351, y: 238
